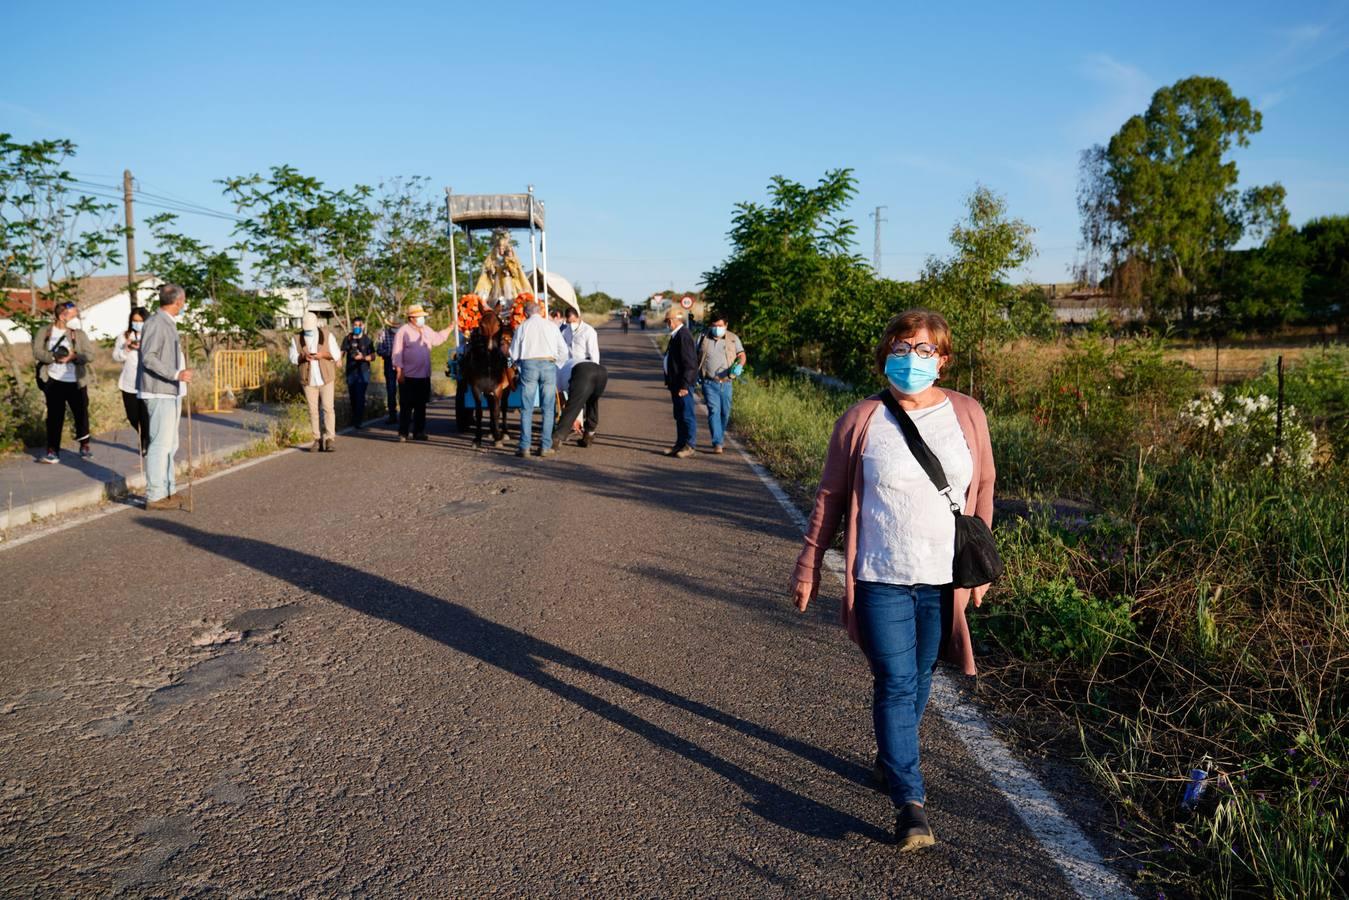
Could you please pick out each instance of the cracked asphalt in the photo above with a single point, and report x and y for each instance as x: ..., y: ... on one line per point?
x: 458, y: 673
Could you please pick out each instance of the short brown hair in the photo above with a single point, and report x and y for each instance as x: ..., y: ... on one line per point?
x: 906, y: 324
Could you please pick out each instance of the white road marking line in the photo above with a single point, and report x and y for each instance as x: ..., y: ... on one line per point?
x: 1056, y: 833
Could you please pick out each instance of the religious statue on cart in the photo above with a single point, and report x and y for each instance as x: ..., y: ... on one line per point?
x: 502, y: 278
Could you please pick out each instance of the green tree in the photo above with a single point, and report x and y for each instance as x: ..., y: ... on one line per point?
x: 971, y: 286
x: 304, y: 234
x: 219, y: 310
x: 1164, y: 192
x: 50, y: 234
x: 787, y: 259
x: 410, y: 256
x: 1325, y: 244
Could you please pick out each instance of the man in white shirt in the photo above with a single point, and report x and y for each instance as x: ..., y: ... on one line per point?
x: 316, y: 352
x: 536, y: 352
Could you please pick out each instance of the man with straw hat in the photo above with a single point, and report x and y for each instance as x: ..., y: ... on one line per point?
x: 412, y: 365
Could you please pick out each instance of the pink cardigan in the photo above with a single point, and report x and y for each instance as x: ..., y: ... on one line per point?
x: 840, y: 493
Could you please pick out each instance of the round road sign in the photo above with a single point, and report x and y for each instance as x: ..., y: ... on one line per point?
x: 686, y: 302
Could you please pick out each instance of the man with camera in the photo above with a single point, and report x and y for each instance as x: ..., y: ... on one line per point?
x: 63, y: 353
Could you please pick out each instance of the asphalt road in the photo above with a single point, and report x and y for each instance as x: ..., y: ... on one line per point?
x: 462, y: 674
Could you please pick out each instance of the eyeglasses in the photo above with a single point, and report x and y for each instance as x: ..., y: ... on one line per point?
x: 924, y: 351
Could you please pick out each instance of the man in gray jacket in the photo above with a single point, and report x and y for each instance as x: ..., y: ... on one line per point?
x: 161, y: 381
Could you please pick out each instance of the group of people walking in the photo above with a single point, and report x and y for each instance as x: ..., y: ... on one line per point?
x: 712, y: 362
x: 900, y: 602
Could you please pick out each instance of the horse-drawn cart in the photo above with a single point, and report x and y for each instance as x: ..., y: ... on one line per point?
x: 501, y: 286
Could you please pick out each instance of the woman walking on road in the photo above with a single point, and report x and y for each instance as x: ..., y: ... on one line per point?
x: 899, y: 604
x: 127, y: 351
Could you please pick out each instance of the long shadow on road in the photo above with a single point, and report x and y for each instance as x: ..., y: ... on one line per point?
x: 521, y: 655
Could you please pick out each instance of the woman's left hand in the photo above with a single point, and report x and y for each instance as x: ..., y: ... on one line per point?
x: 977, y: 594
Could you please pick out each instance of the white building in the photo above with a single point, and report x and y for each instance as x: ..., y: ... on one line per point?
x: 296, y: 301
x: 104, y: 302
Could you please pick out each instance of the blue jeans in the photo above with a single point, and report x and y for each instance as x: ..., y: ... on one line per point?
x: 717, y: 396
x: 900, y: 627
x: 537, y: 375
x: 164, y: 413
x: 686, y: 419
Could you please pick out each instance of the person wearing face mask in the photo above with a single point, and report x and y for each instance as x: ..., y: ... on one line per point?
x: 359, y: 350
x: 387, y: 334
x: 314, y: 350
x: 681, y: 377
x: 127, y: 351
x: 412, y: 363
x: 721, y: 359
x: 899, y: 603
x: 63, y: 353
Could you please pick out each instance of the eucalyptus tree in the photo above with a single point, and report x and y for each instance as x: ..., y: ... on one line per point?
x: 1163, y: 194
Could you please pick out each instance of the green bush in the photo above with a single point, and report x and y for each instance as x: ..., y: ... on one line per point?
x: 1057, y: 620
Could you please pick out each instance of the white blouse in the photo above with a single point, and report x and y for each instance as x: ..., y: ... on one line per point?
x: 906, y: 532
x: 130, y: 360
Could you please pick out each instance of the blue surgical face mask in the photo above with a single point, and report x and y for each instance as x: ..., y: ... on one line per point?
x: 718, y: 331
x: 137, y: 326
x: 357, y: 330
x: 309, y: 332
x: 910, y: 374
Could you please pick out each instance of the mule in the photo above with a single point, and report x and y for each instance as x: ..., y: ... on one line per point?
x: 486, y: 371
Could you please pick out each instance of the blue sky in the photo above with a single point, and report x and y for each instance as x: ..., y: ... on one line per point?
x: 641, y: 125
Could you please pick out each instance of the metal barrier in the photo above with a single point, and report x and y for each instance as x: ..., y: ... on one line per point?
x: 238, y: 370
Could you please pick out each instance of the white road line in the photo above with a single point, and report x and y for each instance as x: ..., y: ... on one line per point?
x: 1056, y: 833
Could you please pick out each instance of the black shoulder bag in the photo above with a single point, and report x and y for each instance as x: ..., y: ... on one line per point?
x: 976, y: 558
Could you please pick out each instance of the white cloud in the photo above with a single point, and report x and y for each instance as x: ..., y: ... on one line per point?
x: 1126, y: 91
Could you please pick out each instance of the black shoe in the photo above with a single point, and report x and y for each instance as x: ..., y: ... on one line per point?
x: 911, y: 829
x: 86, y: 452
x: 586, y: 439
x: 421, y: 436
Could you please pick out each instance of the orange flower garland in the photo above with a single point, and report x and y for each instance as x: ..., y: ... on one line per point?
x: 518, y: 310
x: 470, y: 312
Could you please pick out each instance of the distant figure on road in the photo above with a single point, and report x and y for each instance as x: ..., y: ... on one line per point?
x: 586, y: 387
x: 63, y: 354
x: 385, y: 351
x: 316, y: 352
x: 359, y: 350
x: 126, y: 350
x: 536, y: 351
x: 626, y: 316
x: 161, y: 381
x: 721, y: 358
x: 900, y: 543
x: 681, y: 375
x: 412, y: 363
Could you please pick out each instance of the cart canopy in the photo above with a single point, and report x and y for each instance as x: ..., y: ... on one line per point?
x: 559, y: 288
x: 486, y: 211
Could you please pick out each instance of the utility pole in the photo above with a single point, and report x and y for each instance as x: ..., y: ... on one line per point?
x: 130, y: 240
x: 876, y: 250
